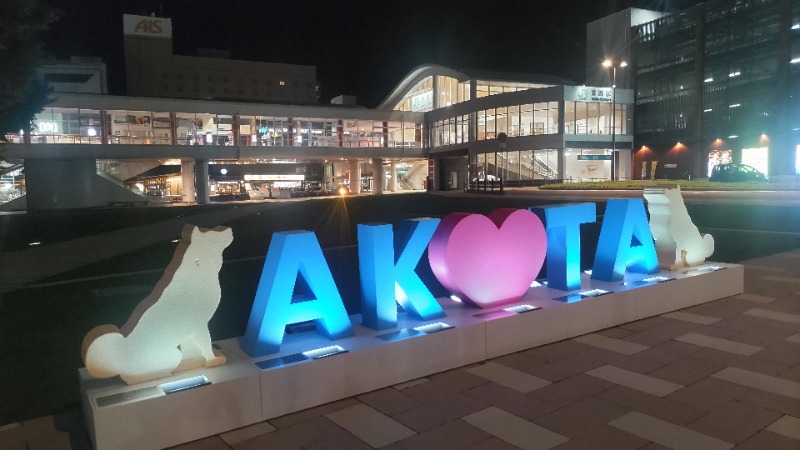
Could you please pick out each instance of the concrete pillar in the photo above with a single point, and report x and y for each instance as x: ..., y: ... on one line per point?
x: 235, y: 130
x: 433, y: 175
x: 201, y: 181
x: 187, y: 180
x: 104, y: 126
x: 173, y: 130
x: 378, y: 177
x: 355, y: 176
x: 393, y: 174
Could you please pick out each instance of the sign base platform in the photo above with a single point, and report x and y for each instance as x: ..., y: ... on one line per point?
x: 311, y: 370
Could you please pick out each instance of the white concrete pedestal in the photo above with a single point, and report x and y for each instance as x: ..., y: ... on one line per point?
x: 142, y: 416
x: 249, y: 390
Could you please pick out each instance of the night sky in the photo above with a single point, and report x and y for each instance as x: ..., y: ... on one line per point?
x: 361, y: 48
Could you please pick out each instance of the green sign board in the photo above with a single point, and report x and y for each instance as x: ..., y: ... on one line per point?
x: 594, y: 157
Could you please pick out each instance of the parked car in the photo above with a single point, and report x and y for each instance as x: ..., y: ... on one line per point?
x: 735, y: 172
x: 316, y: 191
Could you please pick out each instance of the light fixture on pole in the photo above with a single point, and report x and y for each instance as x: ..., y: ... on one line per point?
x: 609, y: 63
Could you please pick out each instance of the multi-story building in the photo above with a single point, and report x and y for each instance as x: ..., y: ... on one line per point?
x: 153, y: 70
x: 715, y: 83
x: 440, y: 128
x: 85, y: 75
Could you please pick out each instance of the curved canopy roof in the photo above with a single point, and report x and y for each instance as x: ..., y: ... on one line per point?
x: 419, y: 73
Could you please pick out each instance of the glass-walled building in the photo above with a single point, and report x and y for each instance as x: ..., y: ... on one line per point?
x: 484, y: 127
x: 439, y: 129
x: 714, y: 83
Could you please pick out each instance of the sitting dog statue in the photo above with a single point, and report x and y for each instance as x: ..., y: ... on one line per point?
x: 168, y: 330
x: 678, y: 241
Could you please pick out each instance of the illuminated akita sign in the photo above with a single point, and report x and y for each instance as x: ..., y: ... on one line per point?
x: 486, y: 261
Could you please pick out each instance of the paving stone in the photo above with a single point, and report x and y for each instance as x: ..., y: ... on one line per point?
x: 445, y: 384
x: 644, y: 324
x: 456, y: 434
x: 569, y: 367
x: 210, y: 443
x: 768, y: 440
x: 742, y: 362
x: 508, y: 377
x: 347, y: 441
x: 440, y: 411
x: 579, y: 419
x: 734, y: 421
x: 571, y: 390
x: 668, y: 352
x: 669, y: 410
x: 773, y: 402
x: 687, y: 370
x: 782, y: 352
x: 668, y: 434
x: 507, y: 399
x: 369, y: 425
x: 311, y: 413
x: 493, y: 443
x: 245, y: 433
x: 766, y: 333
x: 604, y: 437
x: 616, y: 332
x: 389, y: 401
x: 297, y: 436
x: 519, y: 361
x: 514, y: 430
x: 787, y: 426
x: 708, y: 394
x: 792, y: 374
x: 558, y: 350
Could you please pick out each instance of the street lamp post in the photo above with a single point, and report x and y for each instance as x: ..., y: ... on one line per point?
x: 609, y: 63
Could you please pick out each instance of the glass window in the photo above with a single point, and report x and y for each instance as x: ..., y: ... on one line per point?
x: 540, y: 118
x: 491, y: 124
x: 502, y: 120
x: 513, y: 121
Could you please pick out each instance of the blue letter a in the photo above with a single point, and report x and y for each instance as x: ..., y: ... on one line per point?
x: 625, y: 242
x: 387, y: 265
x: 290, y: 254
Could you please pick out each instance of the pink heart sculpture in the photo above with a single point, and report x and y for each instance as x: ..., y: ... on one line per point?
x: 488, y: 261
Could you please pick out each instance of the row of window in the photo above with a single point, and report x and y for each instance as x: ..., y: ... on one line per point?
x: 451, y: 91
x: 525, y: 166
x: 532, y: 119
x: 91, y: 126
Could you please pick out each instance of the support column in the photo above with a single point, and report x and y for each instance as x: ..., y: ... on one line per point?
x: 378, y: 178
x: 355, y: 176
x: 393, y: 173
x: 201, y: 181
x: 104, y: 126
x: 235, y: 129
x: 187, y: 180
x: 173, y: 130
x: 433, y: 175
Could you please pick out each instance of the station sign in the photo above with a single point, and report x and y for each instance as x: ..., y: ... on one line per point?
x: 594, y: 157
x: 422, y: 102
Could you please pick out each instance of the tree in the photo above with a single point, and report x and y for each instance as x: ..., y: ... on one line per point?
x: 21, y: 95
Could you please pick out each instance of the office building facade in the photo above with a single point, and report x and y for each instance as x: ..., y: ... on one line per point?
x: 715, y: 83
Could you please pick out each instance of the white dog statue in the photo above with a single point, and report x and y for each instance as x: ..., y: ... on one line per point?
x: 678, y: 241
x: 168, y: 330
